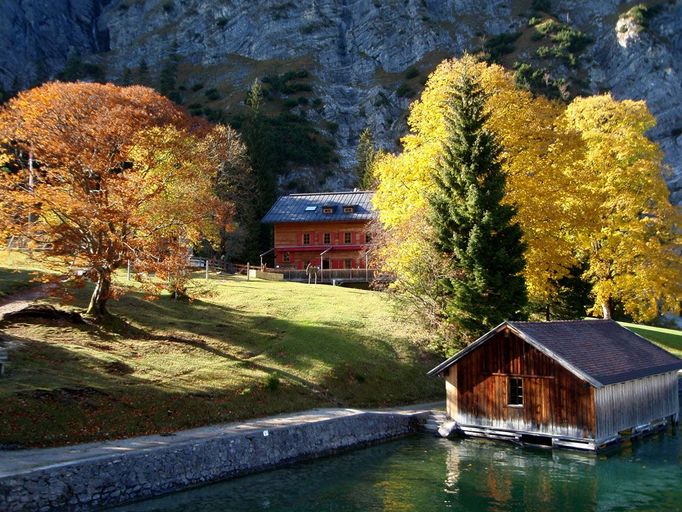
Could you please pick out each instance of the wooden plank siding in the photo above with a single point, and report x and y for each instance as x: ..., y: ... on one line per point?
x: 555, y: 401
x: 289, y: 234
x: 636, y: 403
x: 288, y: 238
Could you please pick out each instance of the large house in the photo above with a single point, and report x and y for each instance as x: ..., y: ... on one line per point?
x: 328, y: 230
x: 579, y: 384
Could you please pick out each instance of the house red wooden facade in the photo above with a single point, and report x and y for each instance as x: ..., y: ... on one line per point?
x: 329, y: 230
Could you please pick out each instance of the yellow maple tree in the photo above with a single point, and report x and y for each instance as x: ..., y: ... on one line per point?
x: 627, y: 229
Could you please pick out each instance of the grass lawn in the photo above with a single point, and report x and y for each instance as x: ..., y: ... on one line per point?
x: 669, y: 339
x: 242, y: 349
x: 16, y: 272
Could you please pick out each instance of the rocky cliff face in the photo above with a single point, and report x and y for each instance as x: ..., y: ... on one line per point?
x: 357, y: 52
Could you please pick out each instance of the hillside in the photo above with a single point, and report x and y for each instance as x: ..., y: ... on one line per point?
x: 242, y: 349
x: 354, y: 63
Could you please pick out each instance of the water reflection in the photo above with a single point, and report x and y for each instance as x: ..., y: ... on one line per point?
x: 428, y: 474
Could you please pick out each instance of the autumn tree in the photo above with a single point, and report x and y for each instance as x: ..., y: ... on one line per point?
x: 235, y: 184
x: 628, y: 231
x: 535, y: 154
x: 472, y: 227
x: 586, y: 183
x: 119, y: 174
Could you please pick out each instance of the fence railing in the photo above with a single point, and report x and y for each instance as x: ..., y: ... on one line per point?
x: 329, y: 275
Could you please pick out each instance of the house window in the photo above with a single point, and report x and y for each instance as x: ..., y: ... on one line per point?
x: 346, y: 238
x: 515, y: 391
x: 368, y: 238
x: 348, y: 209
x: 306, y: 238
x: 327, y: 239
x: 286, y: 257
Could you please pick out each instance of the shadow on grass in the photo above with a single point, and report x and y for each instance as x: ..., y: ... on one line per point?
x: 117, y: 384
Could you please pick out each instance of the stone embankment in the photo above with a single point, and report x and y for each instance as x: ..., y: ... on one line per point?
x: 96, y: 475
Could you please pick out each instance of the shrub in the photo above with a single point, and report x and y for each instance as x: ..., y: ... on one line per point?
x: 212, y: 94
x: 221, y: 22
x: 272, y: 382
x: 541, y: 5
x: 302, y: 100
x: 547, y: 26
x: 411, y: 72
x: 197, y: 87
x: 501, y: 44
x: 405, y: 91
x: 167, y: 7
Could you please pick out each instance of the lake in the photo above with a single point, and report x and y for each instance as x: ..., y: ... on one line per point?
x: 424, y: 473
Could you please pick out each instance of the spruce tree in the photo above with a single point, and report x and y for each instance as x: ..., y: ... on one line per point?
x: 365, y: 155
x: 473, y: 229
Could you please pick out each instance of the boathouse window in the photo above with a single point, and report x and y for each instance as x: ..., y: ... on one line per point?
x: 328, y: 209
x: 348, y: 209
x: 286, y: 257
x: 346, y: 238
x: 515, y: 391
x: 306, y: 238
x: 327, y: 238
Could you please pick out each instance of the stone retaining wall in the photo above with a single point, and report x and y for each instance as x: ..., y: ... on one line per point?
x: 108, y: 480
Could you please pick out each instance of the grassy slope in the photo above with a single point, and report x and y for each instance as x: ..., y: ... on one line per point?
x: 669, y: 339
x: 16, y: 272
x: 166, y: 365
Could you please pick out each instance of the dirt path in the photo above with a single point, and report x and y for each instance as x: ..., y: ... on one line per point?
x: 20, y: 300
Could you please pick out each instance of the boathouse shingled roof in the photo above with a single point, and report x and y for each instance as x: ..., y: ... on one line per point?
x: 310, y: 207
x: 601, y: 352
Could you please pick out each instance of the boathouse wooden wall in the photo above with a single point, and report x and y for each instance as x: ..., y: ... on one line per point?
x: 555, y: 401
x: 635, y: 403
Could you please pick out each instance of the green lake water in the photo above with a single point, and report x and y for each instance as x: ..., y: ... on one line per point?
x: 424, y: 473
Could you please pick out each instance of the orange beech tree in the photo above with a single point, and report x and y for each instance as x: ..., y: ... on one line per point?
x: 99, y: 175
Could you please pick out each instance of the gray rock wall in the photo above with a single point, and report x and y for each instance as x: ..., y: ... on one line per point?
x: 137, y: 474
x: 357, y: 50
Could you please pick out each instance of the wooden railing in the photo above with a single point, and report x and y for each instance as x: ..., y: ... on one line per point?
x: 329, y: 275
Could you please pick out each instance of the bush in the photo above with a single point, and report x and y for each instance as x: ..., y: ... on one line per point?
x: 541, y: 5
x: 167, y: 7
x: 405, y: 91
x: 197, y: 87
x: 212, y: 94
x: 548, y: 26
x: 272, y: 382
x: 411, y: 72
x: 640, y: 14
x: 302, y: 100
x: 221, y: 22
x: 501, y: 44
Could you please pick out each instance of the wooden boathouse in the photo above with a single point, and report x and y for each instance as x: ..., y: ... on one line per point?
x: 579, y: 384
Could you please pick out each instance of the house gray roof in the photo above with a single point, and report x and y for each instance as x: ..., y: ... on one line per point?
x: 600, y: 352
x: 310, y: 207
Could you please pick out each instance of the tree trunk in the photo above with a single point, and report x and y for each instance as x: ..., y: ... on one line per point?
x: 100, y: 295
x: 548, y: 313
x: 606, y: 309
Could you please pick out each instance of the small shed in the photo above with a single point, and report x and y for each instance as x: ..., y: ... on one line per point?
x: 580, y: 384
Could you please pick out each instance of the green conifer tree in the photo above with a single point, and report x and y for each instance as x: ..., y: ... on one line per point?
x: 473, y: 229
x: 365, y: 154
x: 257, y: 137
